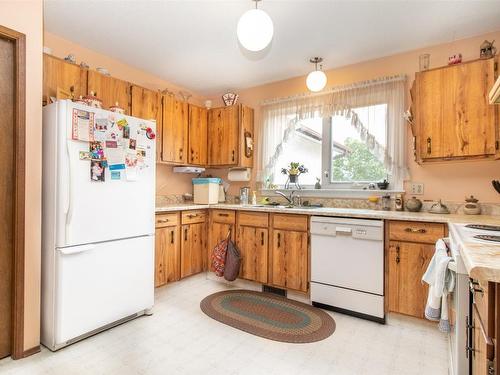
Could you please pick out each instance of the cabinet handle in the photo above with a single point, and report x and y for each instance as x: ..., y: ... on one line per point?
x: 429, y: 145
x: 279, y: 239
x: 416, y: 230
x: 262, y: 238
x: 162, y: 221
x: 180, y: 153
x: 232, y: 155
x: 171, y: 236
x: 185, y: 234
x: 223, y: 215
x: 398, y: 259
x: 192, y: 215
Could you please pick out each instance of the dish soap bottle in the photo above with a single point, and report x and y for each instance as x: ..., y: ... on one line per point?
x: 254, y: 198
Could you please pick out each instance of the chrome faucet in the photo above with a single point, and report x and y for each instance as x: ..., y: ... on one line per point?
x: 288, y: 198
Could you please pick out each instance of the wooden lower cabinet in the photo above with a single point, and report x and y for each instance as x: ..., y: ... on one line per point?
x: 167, y: 249
x: 192, y: 249
x: 407, y: 263
x: 289, y: 260
x: 252, y: 241
x: 222, y: 222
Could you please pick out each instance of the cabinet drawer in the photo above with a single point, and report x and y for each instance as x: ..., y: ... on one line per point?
x: 223, y: 216
x: 253, y: 219
x: 414, y: 231
x: 167, y: 220
x: 193, y: 216
x: 290, y: 222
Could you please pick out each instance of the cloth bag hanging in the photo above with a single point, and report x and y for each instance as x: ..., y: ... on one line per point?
x: 219, y: 256
x: 233, y: 262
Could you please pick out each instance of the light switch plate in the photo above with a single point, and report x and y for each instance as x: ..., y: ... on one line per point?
x: 417, y: 188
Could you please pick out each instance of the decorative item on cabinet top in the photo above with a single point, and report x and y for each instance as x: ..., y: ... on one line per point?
x: 230, y: 98
x: 487, y: 50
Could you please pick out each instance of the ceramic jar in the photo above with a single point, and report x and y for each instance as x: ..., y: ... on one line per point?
x: 117, y: 109
x: 413, y: 204
x: 472, y: 206
x: 92, y: 100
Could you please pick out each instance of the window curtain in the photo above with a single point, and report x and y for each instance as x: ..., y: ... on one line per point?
x: 280, y: 116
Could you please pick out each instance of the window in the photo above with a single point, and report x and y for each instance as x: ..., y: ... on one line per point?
x: 335, y: 151
x: 350, y: 158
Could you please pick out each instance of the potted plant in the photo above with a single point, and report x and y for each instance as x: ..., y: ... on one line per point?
x: 294, y: 170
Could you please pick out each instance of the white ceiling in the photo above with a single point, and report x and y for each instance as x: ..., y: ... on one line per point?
x: 193, y: 43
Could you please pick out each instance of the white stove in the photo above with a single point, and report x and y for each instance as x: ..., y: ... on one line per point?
x: 462, y: 235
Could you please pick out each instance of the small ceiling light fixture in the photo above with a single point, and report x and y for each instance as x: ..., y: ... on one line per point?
x: 316, y: 80
x: 255, y: 29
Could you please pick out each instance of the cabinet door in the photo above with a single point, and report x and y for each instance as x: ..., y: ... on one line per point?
x: 218, y: 231
x: 289, y: 260
x: 146, y: 104
x: 60, y: 74
x: 406, y: 265
x: 110, y: 90
x: 161, y: 240
x: 173, y: 254
x: 223, y: 126
x: 247, y: 138
x: 174, y: 130
x: 252, y: 243
x: 192, y: 249
x: 453, y: 112
x: 197, y: 134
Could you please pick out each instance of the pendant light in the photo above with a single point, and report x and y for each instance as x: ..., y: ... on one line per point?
x: 316, y: 80
x: 255, y: 29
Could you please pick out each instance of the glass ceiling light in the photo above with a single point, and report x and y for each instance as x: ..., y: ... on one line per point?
x: 255, y: 29
x: 316, y: 80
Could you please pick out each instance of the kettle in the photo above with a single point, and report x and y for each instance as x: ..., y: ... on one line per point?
x: 439, y: 208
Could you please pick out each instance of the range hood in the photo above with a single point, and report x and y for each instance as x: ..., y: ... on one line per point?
x: 495, y: 93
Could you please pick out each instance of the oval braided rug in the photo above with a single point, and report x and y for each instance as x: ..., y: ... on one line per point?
x: 270, y: 316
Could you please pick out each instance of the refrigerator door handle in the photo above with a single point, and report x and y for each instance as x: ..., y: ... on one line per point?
x: 76, y: 249
x: 69, y: 202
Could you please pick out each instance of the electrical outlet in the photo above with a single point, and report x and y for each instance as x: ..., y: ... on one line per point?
x: 417, y: 188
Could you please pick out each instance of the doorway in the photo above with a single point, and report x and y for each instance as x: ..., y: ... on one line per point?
x: 12, y: 170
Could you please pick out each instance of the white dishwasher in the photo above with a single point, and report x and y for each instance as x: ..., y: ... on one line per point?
x: 347, y: 266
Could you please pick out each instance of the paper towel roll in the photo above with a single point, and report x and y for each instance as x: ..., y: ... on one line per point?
x: 241, y: 174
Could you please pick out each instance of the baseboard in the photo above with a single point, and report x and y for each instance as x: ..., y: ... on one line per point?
x: 33, y: 350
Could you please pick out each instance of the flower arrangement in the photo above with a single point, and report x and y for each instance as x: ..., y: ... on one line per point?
x: 293, y: 170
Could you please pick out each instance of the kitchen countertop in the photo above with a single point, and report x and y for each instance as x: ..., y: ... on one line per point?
x: 482, y: 261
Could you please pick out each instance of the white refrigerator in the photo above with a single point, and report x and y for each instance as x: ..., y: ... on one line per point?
x: 98, y: 221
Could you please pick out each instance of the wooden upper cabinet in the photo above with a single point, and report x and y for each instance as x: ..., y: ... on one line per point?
x: 110, y: 90
x: 223, y: 132
x: 453, y: 118
x: 246, y: 137
x: 59, y: 74
x: 198, y: 121
x: 146, y: 104
x: 174, y: 130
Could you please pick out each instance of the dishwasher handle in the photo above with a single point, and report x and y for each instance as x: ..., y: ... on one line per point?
x: 343, y: 230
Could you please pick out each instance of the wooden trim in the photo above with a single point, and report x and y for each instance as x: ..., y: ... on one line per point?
x: 33, y: 350
x: 19, y: 41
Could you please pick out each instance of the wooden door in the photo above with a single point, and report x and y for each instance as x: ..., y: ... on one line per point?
x: 110, y: 90
x: 173, y: 254
x: 223, y: 126
x: 253, y: 245
x: 174, y: 130
x: 161, y: 243
x: 192, y: 249
x: 197, y: 135
x: 68, y: 77
x: 7, y: 126
x: 247, y: 138
x: 479, y: 355
x: 429, y: 114
x: 289, y: 260
x: 407, y: 263
x: 146, y: 104
x: 454, y: 116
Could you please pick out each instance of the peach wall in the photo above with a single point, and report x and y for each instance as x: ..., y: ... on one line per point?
x: 166, y: 181
x: 450, y: 180
x: 27, y: 17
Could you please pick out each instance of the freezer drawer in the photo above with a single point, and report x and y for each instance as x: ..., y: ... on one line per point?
x: 98, y: 284
x: 350, y: 300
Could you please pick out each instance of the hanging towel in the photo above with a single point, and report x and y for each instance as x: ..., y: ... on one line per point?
x: 441, y: 281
